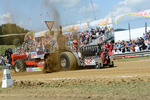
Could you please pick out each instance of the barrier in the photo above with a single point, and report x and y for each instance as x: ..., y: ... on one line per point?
x: 132, y: 54
x: 7, y: 80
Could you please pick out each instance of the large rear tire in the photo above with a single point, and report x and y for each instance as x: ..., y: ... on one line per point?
x: 67, y: 61
x: 19, y: 66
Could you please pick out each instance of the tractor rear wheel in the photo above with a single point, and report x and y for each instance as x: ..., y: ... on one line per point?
x: 19, y: 66
x: 67, y: 61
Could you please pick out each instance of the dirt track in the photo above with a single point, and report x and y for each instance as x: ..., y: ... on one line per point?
x: 124, y: 71
x: 140, y: 67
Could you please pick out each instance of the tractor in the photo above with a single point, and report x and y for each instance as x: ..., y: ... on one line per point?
x: 22, y: 62
x: 88, y: 55
x: 64, y: 59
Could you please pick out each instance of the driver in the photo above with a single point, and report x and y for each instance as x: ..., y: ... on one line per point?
x: 75, y: 45
x: 109, y: 46
x: 8, y: 56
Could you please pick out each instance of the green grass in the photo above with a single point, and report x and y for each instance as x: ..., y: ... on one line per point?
x: 117, y: 91
x: 4, y: 47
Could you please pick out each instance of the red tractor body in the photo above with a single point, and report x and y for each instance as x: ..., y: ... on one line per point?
x: 34, y: 63
x: 22, y: 61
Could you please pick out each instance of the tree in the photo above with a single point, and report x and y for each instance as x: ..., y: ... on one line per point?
x: 16, y: 42
x: 11, y: 29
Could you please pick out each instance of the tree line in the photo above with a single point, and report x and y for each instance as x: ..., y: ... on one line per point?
x: 6, y: 29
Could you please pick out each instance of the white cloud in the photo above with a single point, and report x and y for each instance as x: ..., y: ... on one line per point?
x: 21, y: 24
x: 6, y: 18
x: 67, y: 3
x: 90, y: 8
x: 132, y: 2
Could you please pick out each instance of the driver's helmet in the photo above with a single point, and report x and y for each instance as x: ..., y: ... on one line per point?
x: 75, y: 43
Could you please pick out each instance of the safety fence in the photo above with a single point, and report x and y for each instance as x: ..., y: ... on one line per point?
x: 132, y: 54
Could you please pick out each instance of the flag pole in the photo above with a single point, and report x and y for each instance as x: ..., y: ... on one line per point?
x: 65, y: 16
x: 93, y: 10
x: 42, y: 20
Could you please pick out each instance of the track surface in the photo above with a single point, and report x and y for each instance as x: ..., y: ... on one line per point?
x: 125, y: 70
x: 139, y: 67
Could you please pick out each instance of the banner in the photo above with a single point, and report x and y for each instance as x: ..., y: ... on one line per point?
x: 41, y: 34
x: 86, y: 25
x: 71, y: 28
x: 143, y: 13
x: 101, y: 22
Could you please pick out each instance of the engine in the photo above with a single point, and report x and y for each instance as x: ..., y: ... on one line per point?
x: 90, y: 50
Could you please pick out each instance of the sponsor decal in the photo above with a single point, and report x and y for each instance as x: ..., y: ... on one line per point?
x: 34, y: 69
x: 41, y: 63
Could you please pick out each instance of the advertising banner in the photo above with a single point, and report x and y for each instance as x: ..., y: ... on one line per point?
x: 101, y: 22
x: 40, y: 34
x: 86, y: 25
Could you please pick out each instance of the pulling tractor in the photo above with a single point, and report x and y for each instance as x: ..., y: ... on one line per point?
x: 64, y: 59
x: 88, y: 55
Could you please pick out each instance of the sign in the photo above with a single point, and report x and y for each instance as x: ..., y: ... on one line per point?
x: 38, y: 54
x: 49, y: 24
x: 33, y: 54
x: 7, y: 80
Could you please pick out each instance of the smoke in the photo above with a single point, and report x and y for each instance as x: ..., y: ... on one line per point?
x: 53, y: 11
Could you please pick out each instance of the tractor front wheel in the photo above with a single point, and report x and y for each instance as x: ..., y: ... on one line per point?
x: 19, y: 66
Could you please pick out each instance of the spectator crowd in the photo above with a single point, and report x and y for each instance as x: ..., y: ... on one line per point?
x: 47, y: 45
x: 86, y: 37
x: 142, y: 43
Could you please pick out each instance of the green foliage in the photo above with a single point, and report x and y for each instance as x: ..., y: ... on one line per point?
x: 11, y: 29
x: 16, y: 42
x: 4, y: 47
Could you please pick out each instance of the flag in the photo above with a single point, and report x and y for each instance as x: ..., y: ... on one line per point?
x: 48, y: 15
x: 65, y: 16
x: 41, y: 16
x: 65, y: 12
x: 93, y: 9
x: 143, y: 13
x: 29, y: 20
x: 92, y: 4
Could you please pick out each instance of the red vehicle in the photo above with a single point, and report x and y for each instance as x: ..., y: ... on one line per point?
x: 21, y: 62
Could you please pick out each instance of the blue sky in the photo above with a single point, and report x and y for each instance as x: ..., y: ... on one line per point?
x: 19, y: 12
